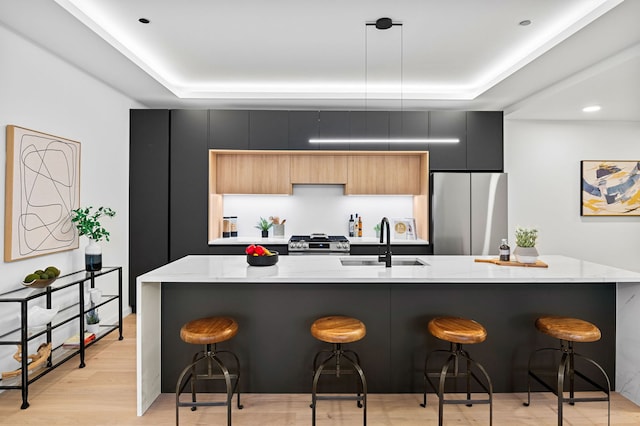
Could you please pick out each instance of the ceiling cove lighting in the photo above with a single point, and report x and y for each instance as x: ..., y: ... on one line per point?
x: 591, y: 108
x: 390, y: 140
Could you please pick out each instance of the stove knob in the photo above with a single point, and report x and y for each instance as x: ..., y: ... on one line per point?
x: 299, y: 245
x: 305, y: 245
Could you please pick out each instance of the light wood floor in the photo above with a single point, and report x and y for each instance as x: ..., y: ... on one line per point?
x: 104, y: 393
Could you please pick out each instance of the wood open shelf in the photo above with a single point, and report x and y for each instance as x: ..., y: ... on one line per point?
x: 361, y: 173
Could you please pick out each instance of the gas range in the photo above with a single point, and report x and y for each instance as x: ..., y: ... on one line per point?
x: 318, y: 243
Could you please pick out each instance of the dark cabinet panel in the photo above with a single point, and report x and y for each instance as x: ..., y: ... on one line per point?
x: 268, y: 130
x: 148, y: 193
x: 189, y: 171
x: 369, y: 124
x: 228, y: 129
x: 334, y: 124
x: 485, y: 141
x: 448, y: 124
x: 410, y: 125
x: 303, y: 125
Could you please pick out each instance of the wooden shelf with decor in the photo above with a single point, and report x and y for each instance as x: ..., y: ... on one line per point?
x: 361, y: 172
x: 50, y: 356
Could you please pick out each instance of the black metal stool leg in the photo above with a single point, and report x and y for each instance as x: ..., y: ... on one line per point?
x: 339, y: 354
x: 453, y: 362
x: 426, y: 379
x: 210, y: 356
x: 561, y: 373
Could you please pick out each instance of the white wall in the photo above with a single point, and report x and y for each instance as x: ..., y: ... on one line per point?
x: 38, y: 91
x: 543, y: 162
x: 316, y: 208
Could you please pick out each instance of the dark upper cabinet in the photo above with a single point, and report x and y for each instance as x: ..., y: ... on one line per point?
x: 148, y: 193
x: 485, y: 141
x: 448, y: 124
x: 268, y: 129
x: 410, y: 125
x: 303, y: 125
x: 333, y: 124
x: 369, y: 124
x: 228, y: 129
x: 188, y: 184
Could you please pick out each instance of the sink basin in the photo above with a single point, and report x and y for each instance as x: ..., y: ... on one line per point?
x: 348, y: 261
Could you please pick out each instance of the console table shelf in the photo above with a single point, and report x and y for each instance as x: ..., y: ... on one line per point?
x: 75, y: 312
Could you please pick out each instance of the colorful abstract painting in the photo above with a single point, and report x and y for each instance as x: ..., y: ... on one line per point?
x: 42, y: 188
x: 610, y: 188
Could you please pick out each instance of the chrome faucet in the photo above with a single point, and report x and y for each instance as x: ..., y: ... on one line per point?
x: 386, y: 257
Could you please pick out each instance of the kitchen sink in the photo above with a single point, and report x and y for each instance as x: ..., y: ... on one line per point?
x: 349, y: 261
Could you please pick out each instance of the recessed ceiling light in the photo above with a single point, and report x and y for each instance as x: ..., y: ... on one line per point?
x: 525, y: 22
x: 592, y: 108
x: 144, y: 20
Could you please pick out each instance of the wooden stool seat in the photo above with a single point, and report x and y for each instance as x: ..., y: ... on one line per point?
x: 204, y: 331
x: 457, y: 330
x: 570, y: 329
x: 338, y: 329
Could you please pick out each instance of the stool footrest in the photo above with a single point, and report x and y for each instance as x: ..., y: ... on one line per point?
x: 537, y: 373
x: 466, y: 401
x: 339, y: 397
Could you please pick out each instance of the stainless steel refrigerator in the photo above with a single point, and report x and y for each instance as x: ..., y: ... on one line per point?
x: 468, y: 213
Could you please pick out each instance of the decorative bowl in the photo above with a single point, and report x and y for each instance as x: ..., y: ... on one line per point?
x: 41, y: 283
x: 263, y: 260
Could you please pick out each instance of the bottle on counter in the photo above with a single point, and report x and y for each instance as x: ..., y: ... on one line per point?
x: 505, y: 251
x: 226, y: 227
x: 360, y: 226
x: 352, y: 227
x: 233, y: 220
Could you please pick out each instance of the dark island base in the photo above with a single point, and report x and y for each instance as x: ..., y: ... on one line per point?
x: 276, y: 349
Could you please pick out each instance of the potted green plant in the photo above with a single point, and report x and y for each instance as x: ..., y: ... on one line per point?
x: 93, y: 320
x: 377, y: 230
x: 87, y: 223
x: 525, y: 251
x: 264, y: 225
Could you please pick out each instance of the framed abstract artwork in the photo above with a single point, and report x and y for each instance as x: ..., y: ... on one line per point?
x: 42, y: 188
x: 610, y: 188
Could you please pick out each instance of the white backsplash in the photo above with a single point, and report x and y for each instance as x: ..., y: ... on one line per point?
x: 316, y: 208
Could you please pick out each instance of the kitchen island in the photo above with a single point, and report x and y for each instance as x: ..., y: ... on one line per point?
x: 276, y: 305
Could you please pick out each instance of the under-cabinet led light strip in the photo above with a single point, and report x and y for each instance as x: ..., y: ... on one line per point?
x: 393, y: 140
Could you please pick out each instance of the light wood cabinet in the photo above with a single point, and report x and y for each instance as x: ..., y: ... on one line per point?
x: 319, y: 169
x: 361, y: 173
x: 384, y: 174
x: 248, y: 173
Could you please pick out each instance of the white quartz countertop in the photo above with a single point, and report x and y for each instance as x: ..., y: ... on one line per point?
x: 285, y: 240
x: 328, y: 268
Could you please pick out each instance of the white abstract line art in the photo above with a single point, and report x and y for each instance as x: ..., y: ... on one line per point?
x: 45, y: 191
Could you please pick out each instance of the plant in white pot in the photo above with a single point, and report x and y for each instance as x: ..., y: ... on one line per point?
x: 88, y: 224
x: 525, y: 251
x: 93, y: 320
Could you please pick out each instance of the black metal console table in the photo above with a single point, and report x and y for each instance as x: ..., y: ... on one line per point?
x: 75, y: 312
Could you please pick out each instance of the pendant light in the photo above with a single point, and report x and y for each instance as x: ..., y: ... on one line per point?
x: 383, y: 24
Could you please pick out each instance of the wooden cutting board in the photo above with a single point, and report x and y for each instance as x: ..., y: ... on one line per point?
x: 538, y: 264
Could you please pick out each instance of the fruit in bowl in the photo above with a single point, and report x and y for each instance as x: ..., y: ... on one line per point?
x: 258, y: 255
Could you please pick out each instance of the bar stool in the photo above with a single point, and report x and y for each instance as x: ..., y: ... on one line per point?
x: 208, y: 332
x: 338, y: 330
x: 457, y: 331
x: 568, y: 330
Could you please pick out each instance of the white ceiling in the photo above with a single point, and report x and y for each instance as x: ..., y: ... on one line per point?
x: 296, y: 54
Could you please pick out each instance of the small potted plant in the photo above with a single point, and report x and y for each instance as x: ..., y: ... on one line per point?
x: 93, y: 320
x: 377, y: 229
x: 88, y: 223
x: 264, y: 225
x: 525, y: 251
